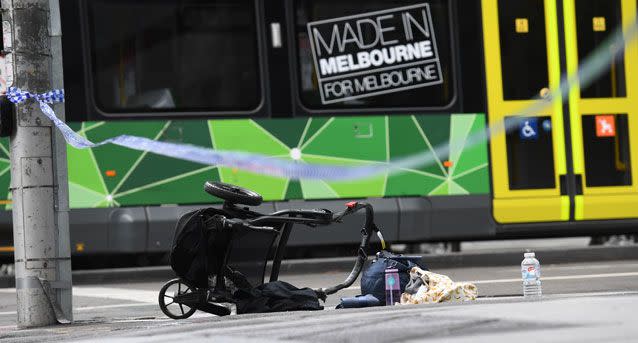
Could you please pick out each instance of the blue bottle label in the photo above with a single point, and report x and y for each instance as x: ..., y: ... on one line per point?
x: 529, y: 272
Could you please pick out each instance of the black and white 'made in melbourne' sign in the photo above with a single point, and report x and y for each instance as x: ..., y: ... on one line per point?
x: 375, y: 53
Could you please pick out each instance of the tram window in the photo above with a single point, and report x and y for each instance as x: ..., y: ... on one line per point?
x: 401, y: 87
x: 174, y: 55
x: 596, y: 20
x: 606, y: 143
x: 530, y: 153
x: 523, y: 48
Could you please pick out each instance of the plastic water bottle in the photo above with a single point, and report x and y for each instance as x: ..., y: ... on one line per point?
x: 392, y: 287
x: 531, y: 271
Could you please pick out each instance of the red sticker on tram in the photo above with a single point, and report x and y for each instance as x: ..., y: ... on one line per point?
x: 605, y: 126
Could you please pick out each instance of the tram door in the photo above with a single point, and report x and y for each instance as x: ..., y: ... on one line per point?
x: 522, y: 62
x: 537, y: 174
x: 604, y: 114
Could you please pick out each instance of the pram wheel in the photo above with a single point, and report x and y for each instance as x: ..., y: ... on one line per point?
x: 172, y: 307
x: 233, y: 194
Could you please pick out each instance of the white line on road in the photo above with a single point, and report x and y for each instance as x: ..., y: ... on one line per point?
x: 117, y: 293
x: 557, y: 267
x: 137, y: 295
x: 564, y: 277
x: 544, y: 278
x: 92, y: 308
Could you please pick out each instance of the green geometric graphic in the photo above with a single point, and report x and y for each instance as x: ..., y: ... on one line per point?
x: 317, y: 189
x: 367, y: 187
x: 408, y: 138
x: 86, y: 184
x: 127, y: 159
x: 151, y: 168
x: 110, y: 175
x: 248, y: 136
x: 359, y: 138
x: 5, y: 173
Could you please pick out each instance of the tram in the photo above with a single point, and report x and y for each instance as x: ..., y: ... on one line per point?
x: 350, y: 82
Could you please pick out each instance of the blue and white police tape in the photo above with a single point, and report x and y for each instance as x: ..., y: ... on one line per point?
x: 252, y: 162
x: 595, y: 64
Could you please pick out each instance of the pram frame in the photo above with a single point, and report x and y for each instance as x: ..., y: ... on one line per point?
x: 280, y: 223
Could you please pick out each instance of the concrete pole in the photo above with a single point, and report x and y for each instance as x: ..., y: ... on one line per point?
x: 39, y: 182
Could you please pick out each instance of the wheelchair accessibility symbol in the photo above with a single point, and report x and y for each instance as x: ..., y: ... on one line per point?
x: 528, y: 129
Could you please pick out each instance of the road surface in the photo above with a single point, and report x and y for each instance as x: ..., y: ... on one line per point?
x: 582, y: 302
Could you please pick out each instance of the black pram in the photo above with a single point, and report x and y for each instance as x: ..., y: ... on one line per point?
x: 217, y: 252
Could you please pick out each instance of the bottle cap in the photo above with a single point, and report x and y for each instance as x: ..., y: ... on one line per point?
x: 529, y: 255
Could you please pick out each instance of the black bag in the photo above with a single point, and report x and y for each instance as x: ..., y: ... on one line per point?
x: 276, y: 296
x: 197, y: 250
x: 373, y: 277
x: 188, y: 252
x: 201, y: 251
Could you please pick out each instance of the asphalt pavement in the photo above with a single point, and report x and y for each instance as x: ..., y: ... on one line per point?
x: 583, y: 302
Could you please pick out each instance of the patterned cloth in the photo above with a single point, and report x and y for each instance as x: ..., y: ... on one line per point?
x: 426, y: 287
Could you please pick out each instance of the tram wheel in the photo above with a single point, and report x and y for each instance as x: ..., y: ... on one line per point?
x: 167, y: 295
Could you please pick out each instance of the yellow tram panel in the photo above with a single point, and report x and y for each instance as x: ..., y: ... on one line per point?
x: 609, y: 201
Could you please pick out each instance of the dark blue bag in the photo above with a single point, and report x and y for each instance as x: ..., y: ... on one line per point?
x: 359, y: 301
x: 373, y: 277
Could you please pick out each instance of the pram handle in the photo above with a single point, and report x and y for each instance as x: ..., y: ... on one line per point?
x: 318, y: 217
x: 366, y: 233
x: 235, y: 224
